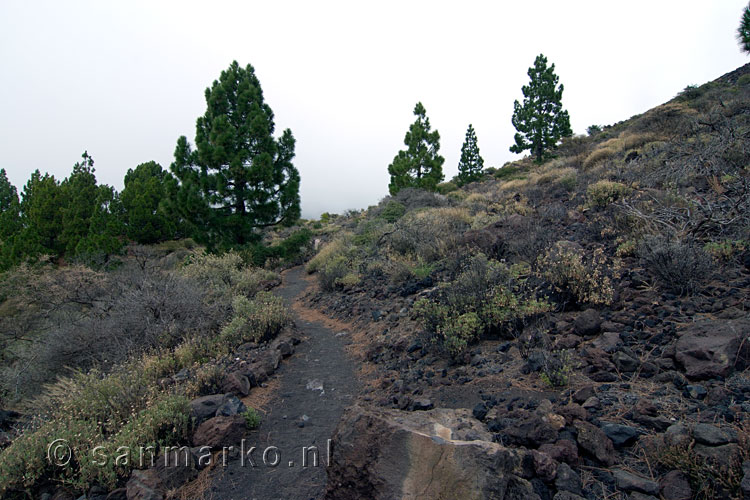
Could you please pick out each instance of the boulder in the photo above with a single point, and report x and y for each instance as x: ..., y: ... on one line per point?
x: 231, y: 406
x: 385, y: 454
x: 218, y: 432
x: 713, y: 348
x: 201, y: 409
x: 711, y: 435
x: 587, y: 323
x: 630, y: 482
x: 675, y: 485
x: 563, y: 450
x: 145, y: 485
x: 620, y: 435
x: 236, y: 383
x: 568, y: 480
x: 595, y: 442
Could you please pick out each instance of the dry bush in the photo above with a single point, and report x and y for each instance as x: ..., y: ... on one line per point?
x: 578, y: 278
x: 603, y: 193
x: 429, y: 234
x: 680, y: 266
x: 598, y: 156
x: 227, y: 275
x: 414, y: 199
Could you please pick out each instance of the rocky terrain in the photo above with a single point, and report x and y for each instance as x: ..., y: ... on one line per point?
x: 629, y: 382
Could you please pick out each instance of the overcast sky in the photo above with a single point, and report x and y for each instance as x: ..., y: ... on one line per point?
x: 124, y: 80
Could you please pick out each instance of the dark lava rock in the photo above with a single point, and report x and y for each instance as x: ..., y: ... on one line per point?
x: 567, y: 479
x: 480, y: 411
x: 621, y: 435
x: 695, y: 391
x: 630, y: 482
x: 675, y: 485
x: 588, y: 323
x: 711, y: 435
x: 422, y: 404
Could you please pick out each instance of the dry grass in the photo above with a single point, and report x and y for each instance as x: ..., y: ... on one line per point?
x: 200, y: 487
x: 260, y: 397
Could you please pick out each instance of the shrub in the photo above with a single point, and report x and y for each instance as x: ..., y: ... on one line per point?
x: 680, y: 266
x: 334, y: 249
x: 626, y: 249
x: 582, y: 281
x: 255, y: 320
x: 744, y: 80
x: 393, y: 211
x: 122, y: 409
x: 557, y: 368
x: 429, y: 234
x: 598, y: 156
x: 593, y: 130
x: 447, y: 187
x: 602, y: 193
x: 480, y: 301
x: 333, y: 272
x: 252, y: 418
x: 414, y: 199
x: 226, y: 275
x: 725, y: 250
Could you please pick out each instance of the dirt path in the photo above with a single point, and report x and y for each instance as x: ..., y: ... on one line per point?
x: 314, y: 387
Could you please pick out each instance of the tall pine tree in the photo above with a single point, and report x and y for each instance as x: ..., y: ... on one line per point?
x: 141, y: 199
x: 79, y: 191
x: 541, y: 120
x: 42, y: 203
x: 420, y: 165
x: 10, y: 221
x: 471, y: 164
x: 239, y: 177
x: 743, y: 31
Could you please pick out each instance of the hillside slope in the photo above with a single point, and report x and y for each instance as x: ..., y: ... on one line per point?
x: 590, y: 312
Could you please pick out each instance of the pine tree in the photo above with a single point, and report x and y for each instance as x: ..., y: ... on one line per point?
x: 42, y: 203
x: 743, y: 32
x: 10, y: 208
x: 541, y: 121
x: 471, y: 164
x: 104, y: 229
x: 239, y: 176
x: 143, y: 193
x: 10, y: 221
x: 420, y: 165
x: 79, y: 191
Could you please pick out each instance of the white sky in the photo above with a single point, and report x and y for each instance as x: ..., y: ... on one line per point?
x: 124, y: 80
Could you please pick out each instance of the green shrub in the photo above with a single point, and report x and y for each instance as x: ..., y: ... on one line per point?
x: 480, y: 301
x: 338, y: 247
x: 744, y: 80
x: 333, y: 272
x: 226, y: 275
x: 252, y: 418
x: 725, y: 250
x: 447, y: 187
x: 393, y: 211
x: 507, y: 172
x: 583, y: 281
x: 557, y: 368
x: 602, y: 193
x: 626, y: 249
x: 255, y: 320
